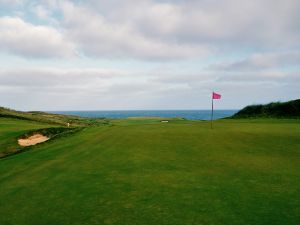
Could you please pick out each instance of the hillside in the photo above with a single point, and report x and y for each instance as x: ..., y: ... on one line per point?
x: 290, y: 109
x: 51, y: 118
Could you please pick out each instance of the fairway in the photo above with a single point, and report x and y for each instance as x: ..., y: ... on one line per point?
x: 142, y: 171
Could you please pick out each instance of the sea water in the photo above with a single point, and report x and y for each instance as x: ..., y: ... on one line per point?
x: 119, y: 114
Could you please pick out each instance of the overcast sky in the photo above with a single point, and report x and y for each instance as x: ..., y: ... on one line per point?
x: 147, y: 54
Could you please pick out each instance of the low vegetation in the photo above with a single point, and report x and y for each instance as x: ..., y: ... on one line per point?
x: 52, y: 132
x: 42, y: 123
x: 290, y: 109
x: 57, y: 119
x: 9, y: 134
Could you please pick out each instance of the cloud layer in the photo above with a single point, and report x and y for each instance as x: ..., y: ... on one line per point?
x: 151, y: 29
x: 48, y: 88
x: 25, y: 39
x: 147, y: 54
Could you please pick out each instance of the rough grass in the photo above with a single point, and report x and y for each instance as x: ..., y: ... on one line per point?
x: 147, y: 172
x: 11, y: 129
x: 50, y: 118
x: 9, y: 134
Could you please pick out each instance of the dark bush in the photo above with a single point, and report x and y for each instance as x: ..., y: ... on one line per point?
x: 289, y: 109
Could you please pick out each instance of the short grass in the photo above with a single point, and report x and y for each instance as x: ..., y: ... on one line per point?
x: 147, y: 172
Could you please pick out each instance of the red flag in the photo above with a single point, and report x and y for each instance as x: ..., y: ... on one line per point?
x: 216, y: 96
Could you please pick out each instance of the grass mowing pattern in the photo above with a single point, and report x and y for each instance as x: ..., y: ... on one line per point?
x: 182, y: 172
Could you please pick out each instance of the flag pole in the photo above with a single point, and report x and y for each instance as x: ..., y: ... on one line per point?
x: 212, y: 112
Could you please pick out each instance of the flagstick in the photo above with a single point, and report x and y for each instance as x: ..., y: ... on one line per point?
x: 212, y: 112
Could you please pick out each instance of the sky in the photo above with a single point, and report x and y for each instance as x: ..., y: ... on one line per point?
x: 148, y: 54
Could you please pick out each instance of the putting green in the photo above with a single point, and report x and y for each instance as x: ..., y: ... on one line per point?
x: 142, y: 171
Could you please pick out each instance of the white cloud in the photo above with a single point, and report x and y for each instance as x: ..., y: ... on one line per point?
x: 260, y: 61
x: 27, y: 39
x: 42, y: 12
x: 161, y: 29
x: 226, y: 23
x: 261, y: 36
x: 52, y: 78
x: 97, y: 36
x: 54, y: 89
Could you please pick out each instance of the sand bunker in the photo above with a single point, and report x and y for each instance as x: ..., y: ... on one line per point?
x: 32, y: 140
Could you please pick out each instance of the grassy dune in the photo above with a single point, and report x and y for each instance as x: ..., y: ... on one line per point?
x: 141, y: 171
x: 50, y: 118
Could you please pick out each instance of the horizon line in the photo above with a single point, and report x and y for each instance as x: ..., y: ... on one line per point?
x: 94, y: 110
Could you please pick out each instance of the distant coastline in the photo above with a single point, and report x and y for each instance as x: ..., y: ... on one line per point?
x: 121, y: 114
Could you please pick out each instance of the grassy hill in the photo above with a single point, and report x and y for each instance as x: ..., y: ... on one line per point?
x: 142, y: 171
x: 37, y: 122
x: 57, y: 119
x: 290, y: 109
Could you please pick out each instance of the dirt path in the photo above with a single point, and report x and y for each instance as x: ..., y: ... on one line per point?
x: 32, y: 140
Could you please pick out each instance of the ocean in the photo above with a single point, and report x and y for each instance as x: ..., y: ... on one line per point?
x: 120, y: 114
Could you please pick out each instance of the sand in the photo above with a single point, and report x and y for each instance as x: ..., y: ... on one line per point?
x: 32, y: 140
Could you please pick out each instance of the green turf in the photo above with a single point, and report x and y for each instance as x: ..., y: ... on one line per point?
x: 11, y: 129
x: 147, y: 172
